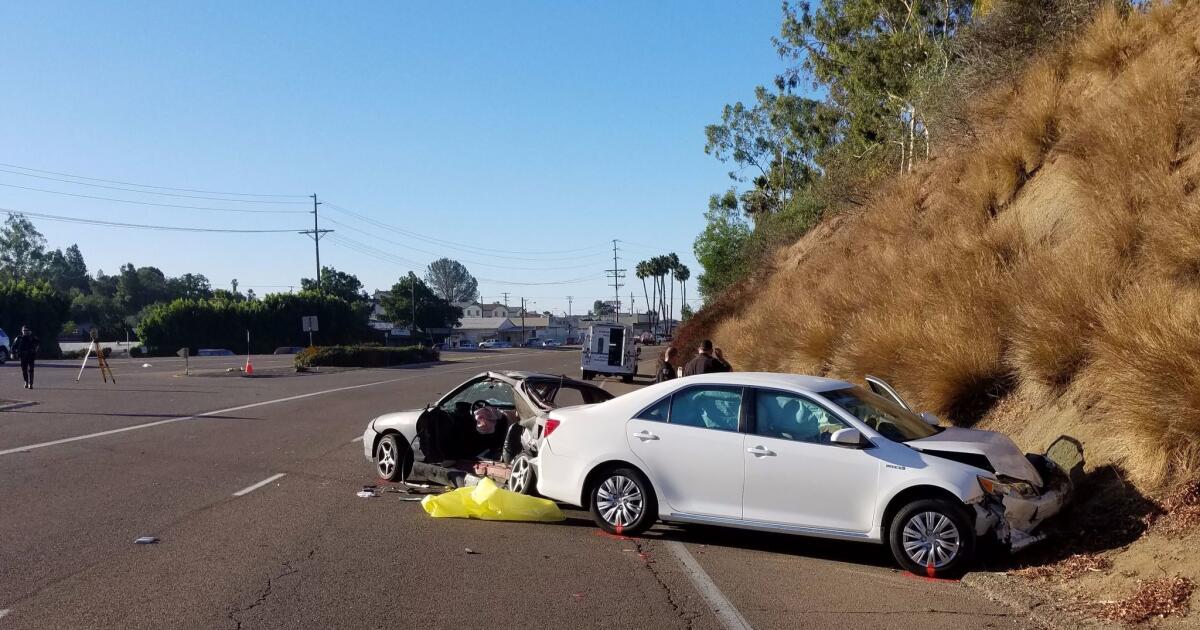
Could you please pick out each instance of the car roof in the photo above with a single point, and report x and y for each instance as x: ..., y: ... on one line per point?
x: 815, y: 384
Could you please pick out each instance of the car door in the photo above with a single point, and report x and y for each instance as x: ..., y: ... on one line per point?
x: 690, y: 445
x: 881, y: 388
x: 795, y: 476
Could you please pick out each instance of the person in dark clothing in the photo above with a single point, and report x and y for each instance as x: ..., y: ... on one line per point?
x: 704, y: 363
x: 25, y: 348
x: 720, y: 358
x: 666, y: 367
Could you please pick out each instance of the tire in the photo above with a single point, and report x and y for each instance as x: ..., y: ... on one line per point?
x: 523, y: 478
x: 392, y: 458
x: 3, y: 356
x: 909, y: 538
x: 588, y: 375
x: 622, y: 502
x: 627, y: 378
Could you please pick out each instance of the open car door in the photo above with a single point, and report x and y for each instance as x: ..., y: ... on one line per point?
x: 881, y: 388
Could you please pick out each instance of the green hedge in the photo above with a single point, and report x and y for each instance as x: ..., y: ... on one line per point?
x: 364, y: 356
x: 273, y: 321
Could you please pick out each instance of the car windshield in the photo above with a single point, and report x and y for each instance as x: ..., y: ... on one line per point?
x: 891, y: 420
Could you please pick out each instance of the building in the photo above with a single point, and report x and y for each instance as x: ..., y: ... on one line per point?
x: 489, y: 310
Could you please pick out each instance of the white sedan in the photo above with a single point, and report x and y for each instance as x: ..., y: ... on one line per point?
x: 801, y: 455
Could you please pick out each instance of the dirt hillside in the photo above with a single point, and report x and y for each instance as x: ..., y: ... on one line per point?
x: 1041, y: 277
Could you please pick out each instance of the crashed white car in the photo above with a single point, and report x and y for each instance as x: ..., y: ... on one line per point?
x: 801, y: 455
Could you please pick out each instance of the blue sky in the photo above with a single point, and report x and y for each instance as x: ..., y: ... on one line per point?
x: 530, y: 133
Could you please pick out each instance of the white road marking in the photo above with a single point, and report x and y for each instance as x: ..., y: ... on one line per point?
x: 252, y: 488
x: 357, y: 439
x: 147, y: 425
x: 729, y: 616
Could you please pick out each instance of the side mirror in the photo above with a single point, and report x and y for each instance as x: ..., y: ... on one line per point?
x: 931, y: 419
x: 851, y: 438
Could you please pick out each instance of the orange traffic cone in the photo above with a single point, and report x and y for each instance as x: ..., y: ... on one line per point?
x: 249, y: 367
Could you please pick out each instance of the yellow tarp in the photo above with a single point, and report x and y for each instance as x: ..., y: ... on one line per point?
x: 489, y: 502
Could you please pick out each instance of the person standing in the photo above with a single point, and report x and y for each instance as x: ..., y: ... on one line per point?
x: 704, y: 362
x: 666, y: 366
x: 25, y: 348
x: 719, y: 356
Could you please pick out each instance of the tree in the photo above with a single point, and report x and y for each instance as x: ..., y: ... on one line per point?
x: 22, y: 248
x: 451, y: 281
x: 685, y: 313
x: 430, y: 311
x: 681, y: 274
x: 600, y: 308
x: 190, y: 286
x: 721, y: 245
x: 338, y: 284
x: 66, y: 270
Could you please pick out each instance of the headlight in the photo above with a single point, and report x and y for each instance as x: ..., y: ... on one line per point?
x: 1013, y: 488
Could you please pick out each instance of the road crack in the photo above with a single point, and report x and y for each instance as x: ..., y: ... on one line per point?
x: 289, y: 568
x: 643, y: 548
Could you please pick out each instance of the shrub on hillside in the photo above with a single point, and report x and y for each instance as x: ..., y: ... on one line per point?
x: 364, y: 356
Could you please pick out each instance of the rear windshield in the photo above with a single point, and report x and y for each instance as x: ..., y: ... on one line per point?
x: 891, y: 420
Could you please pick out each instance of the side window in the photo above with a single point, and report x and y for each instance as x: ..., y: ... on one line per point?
x: 495, y: 393
x: 658, y: 411
x: 568, y: 397
x: 791, y: 417
x: 707, y: 407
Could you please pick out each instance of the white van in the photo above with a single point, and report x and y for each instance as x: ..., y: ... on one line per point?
x: 609, y: 349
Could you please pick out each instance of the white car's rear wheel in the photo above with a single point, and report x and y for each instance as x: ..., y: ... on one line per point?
x: 622, y: 502
x: 522, y: 479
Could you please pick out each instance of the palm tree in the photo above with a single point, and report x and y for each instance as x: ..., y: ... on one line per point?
x: 672, y: 263
x: 643, y: 272
x: 682, y: 273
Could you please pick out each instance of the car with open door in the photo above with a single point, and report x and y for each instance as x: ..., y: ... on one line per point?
x: 800, y: 455
x: 489, y: 426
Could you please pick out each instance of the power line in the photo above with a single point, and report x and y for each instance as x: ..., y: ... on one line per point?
x: 161, y: 205
x: 147, y: 192
x: 466, y: 247
x: 463, y: 260
x: 114, y: 181
x: 140, y: 226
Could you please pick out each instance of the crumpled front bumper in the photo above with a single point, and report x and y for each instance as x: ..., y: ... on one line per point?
x: 1012, y: 519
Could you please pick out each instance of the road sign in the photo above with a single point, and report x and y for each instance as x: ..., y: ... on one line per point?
x: 309, y: 323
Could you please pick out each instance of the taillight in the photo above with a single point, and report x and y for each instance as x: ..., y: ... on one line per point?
x: 551, y: 425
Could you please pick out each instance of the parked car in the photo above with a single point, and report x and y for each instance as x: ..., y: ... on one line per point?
x: 5, y: 343
x: 464, y: 344
x: 494, y: 343
x: 800, y: 455
x: 534, y: 343
x: 550, y: 343
x: 392, y: 442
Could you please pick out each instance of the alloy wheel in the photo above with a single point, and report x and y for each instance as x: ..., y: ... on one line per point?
x: 931, y: 539
x: 386, y: 456
x: 620, y: 501
x: 519, y: 476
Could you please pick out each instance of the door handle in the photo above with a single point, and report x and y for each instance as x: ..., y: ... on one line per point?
x: 645, y: 436
x: 760, y: 451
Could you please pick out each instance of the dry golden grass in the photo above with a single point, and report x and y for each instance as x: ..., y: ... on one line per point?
x: 1054, y: 259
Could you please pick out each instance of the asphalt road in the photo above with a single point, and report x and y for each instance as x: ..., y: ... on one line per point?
x: 90, y: 466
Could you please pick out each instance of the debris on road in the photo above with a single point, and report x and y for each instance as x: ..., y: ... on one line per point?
x: 145, y: 540
x: 471, y: 552
x: 368, y: 492
x: 146, y: 365
x: 489, y: 502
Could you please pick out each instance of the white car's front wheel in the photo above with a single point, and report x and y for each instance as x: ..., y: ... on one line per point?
x: 622, y: 502
x: 391, y: 458
x: 932, y: 537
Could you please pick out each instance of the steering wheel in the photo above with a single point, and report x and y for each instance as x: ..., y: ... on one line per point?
x: 479, y: 404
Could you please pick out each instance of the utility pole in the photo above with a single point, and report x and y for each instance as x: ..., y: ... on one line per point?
x: 316, y: 233
x: 505, y: 294
x: 617, y: 275
x: 569, y: 298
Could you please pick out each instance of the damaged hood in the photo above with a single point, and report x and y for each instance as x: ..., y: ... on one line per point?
x: 1000, y: 451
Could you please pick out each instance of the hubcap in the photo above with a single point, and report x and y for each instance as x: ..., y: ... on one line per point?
x: 518, y: 479
x: 931, y: 539
x: 387, y: 459
x: 620, y: 501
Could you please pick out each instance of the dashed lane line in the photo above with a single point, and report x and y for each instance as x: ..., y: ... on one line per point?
x: 256, y: 486
x: 726, y: 613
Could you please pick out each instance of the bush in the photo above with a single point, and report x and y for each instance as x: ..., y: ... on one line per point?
x: 37, y: 305
x: 79, y: 354
x: 364, y: 356
x: 273, y: 321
